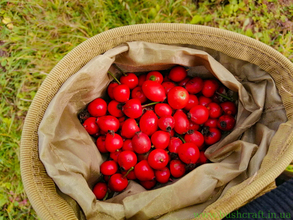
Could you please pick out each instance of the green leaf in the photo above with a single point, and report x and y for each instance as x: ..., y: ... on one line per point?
x: 197, y: 19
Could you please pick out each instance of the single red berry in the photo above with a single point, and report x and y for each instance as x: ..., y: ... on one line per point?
x: 226, y: 122
x: 132, y: 108
x: 177, y: 168
x: 113, y: 142
x: 130, y: 79
x: 127, y: 145
x: 127, y: 159
x: 193, y: 126
x: 168, y: 86
x: 229, y: 108
x: 163, y: 109
x: 141, y: 143
x: 117, y: 182
x: 194, y: 85
x: 91, y: 126
x: 148, y: 122
x: 114, y: 155
x: 121, y: 93
x: 108, y: 123
x: 155, y: 76
x: 109, y: 167
x: 174, y: 144
x: 143, y: 171
x: 100, y: 190
x: 154, y: 91
x: 149, y: 184
x: 129, y: 128
x: 181, y: 122
x: 194, y: 137
x: 177, y: 73
x: 211, y: 122
x: 162, y: 175
x: 97, y: 107
x: 158, y: 159
x: 204, y: 101
x: 199, y: 114
x: 110, y: 88
x: 166, y: 123
x: 193, y: 101
x: 184, y: 81
x: 178, y: 97
x: 210, y: 86
x: 115, y: 108
x: 160, y: 139
x: 137, y: 93
x: 202, y: 158
x: 212, y: 136
x: 215, y: 110
x: 101, y: 144
x: 188, y: 153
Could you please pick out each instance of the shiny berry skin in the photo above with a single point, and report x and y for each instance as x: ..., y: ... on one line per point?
x: 204, y: 101
x: 174, y: 144
x: 160, y: 139
x: 130, y: 80
x: 177, y: 73
x: 113, y: 142
x: 115, y: 108
x: 202, y: 158
x: 163, y: 109
x: 194, y: 85
x: 101, y: 144
x: 168, y: 86
x: 121, y: 93
x: 215, y: 110
x: 108, y: 123
x: 154, y: 91
x: 194, y: 137
x: 155, y: 76
x: 148, y: 122
x: 229, y: 108
x: 166, y: 123
x: 198, y: 114
x: 110, y: 88
x: 193, y: 126
x: 100, y: 190
x: 109, y: 167
x: 162, y: 175
x: 149, y: 184
x: 114, y: 155
x: 213, y: 136
x: 127, y: 159
x: 132, y: 108
x: 177, y: 168
x: 158, y: 159
x: 137, y: 93
x: 127, y: 145
x: 211, y: 122
x: 181, y: 122
x: 97, y: 107
x: 226, y: 122
x: 141, y: 143
x: 143, y: 171
x: 193, y: 101
x: 210, y: 86
x: 178, y: 97
x: 184, y: 81
x: 117, y: 182
x: 91, y: 126
x: 129, y: 128
x: 188, y: 153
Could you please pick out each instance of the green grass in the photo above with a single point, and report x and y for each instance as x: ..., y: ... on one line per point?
x: 36, y: 34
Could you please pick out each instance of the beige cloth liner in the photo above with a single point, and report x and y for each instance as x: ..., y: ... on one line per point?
x: 72, y: 160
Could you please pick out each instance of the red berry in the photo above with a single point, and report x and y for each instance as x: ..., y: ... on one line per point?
x: 193, y: 101
x: 178, y: 97
x: 91, y: 126
x: 115, y: 108
x: 210, y: 86
x: 166, y: 123
x: 163, y: 109
x: 177, y: 168
x: 154, y: 91
x: 97, y: 107
x: 193, y: 126
x: 162, y: 175
x: 129, y: 128
x: 110, y: 88
x: 114, y: 155
x: 100, y: 190
x: 211, y: 122
x: 141, y: 143
x: 194, y: 85
x: 130, y: 80
x: 149, y: 184
x: 121, y: 93
x: 181, y: 122
x: 158, y: 159
x: 168, y: 86
x: 132, y: 108
x: 155, y: 76
x: 113, y: 142
x: 229, y: 108
x: 148, y: 122
x: 109, y: 167
x: 177, y: 73
x: 101, y: 144
x: 226, y: 122
x: 202, y: 158
x: 188, y: 153
x: 141, y: 79
x: 160, y: 139
x: 108, y: 123
x: 215, y: 110
x: 143, y: 171
x: 118, y: 182
x: 174, y: 144
x: 212, y: 136
x: 204, y: 101
x: 137, y: 93
x: 127, y: 159
x: 184, y: 81
x: 199, y: 114
x: 127, y: 145
x: 194, y: 137
x: 130, y: 175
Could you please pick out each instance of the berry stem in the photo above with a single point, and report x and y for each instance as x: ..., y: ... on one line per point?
x: 114, y: 78
x: 128, y: 171
x: 106, y: 196
x: 224, y: 96
x: 149, y: 104
x: 117, y: 67
x: 181, y: 138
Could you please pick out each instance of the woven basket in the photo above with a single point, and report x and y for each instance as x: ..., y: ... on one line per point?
x: 41, y: 189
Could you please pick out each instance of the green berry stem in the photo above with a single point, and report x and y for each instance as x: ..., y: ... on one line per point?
x: 149, y: 104
x: 181, y: 138
x: 106, y: 196
x: 224, y: 96
x: 117, y: 67
x: 114, y: 78
x: 128, y: 171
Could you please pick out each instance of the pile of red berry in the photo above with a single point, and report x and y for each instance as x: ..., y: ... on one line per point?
x: 156, y: 126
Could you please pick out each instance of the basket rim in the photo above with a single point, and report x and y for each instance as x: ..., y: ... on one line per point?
x: 37, y: 182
